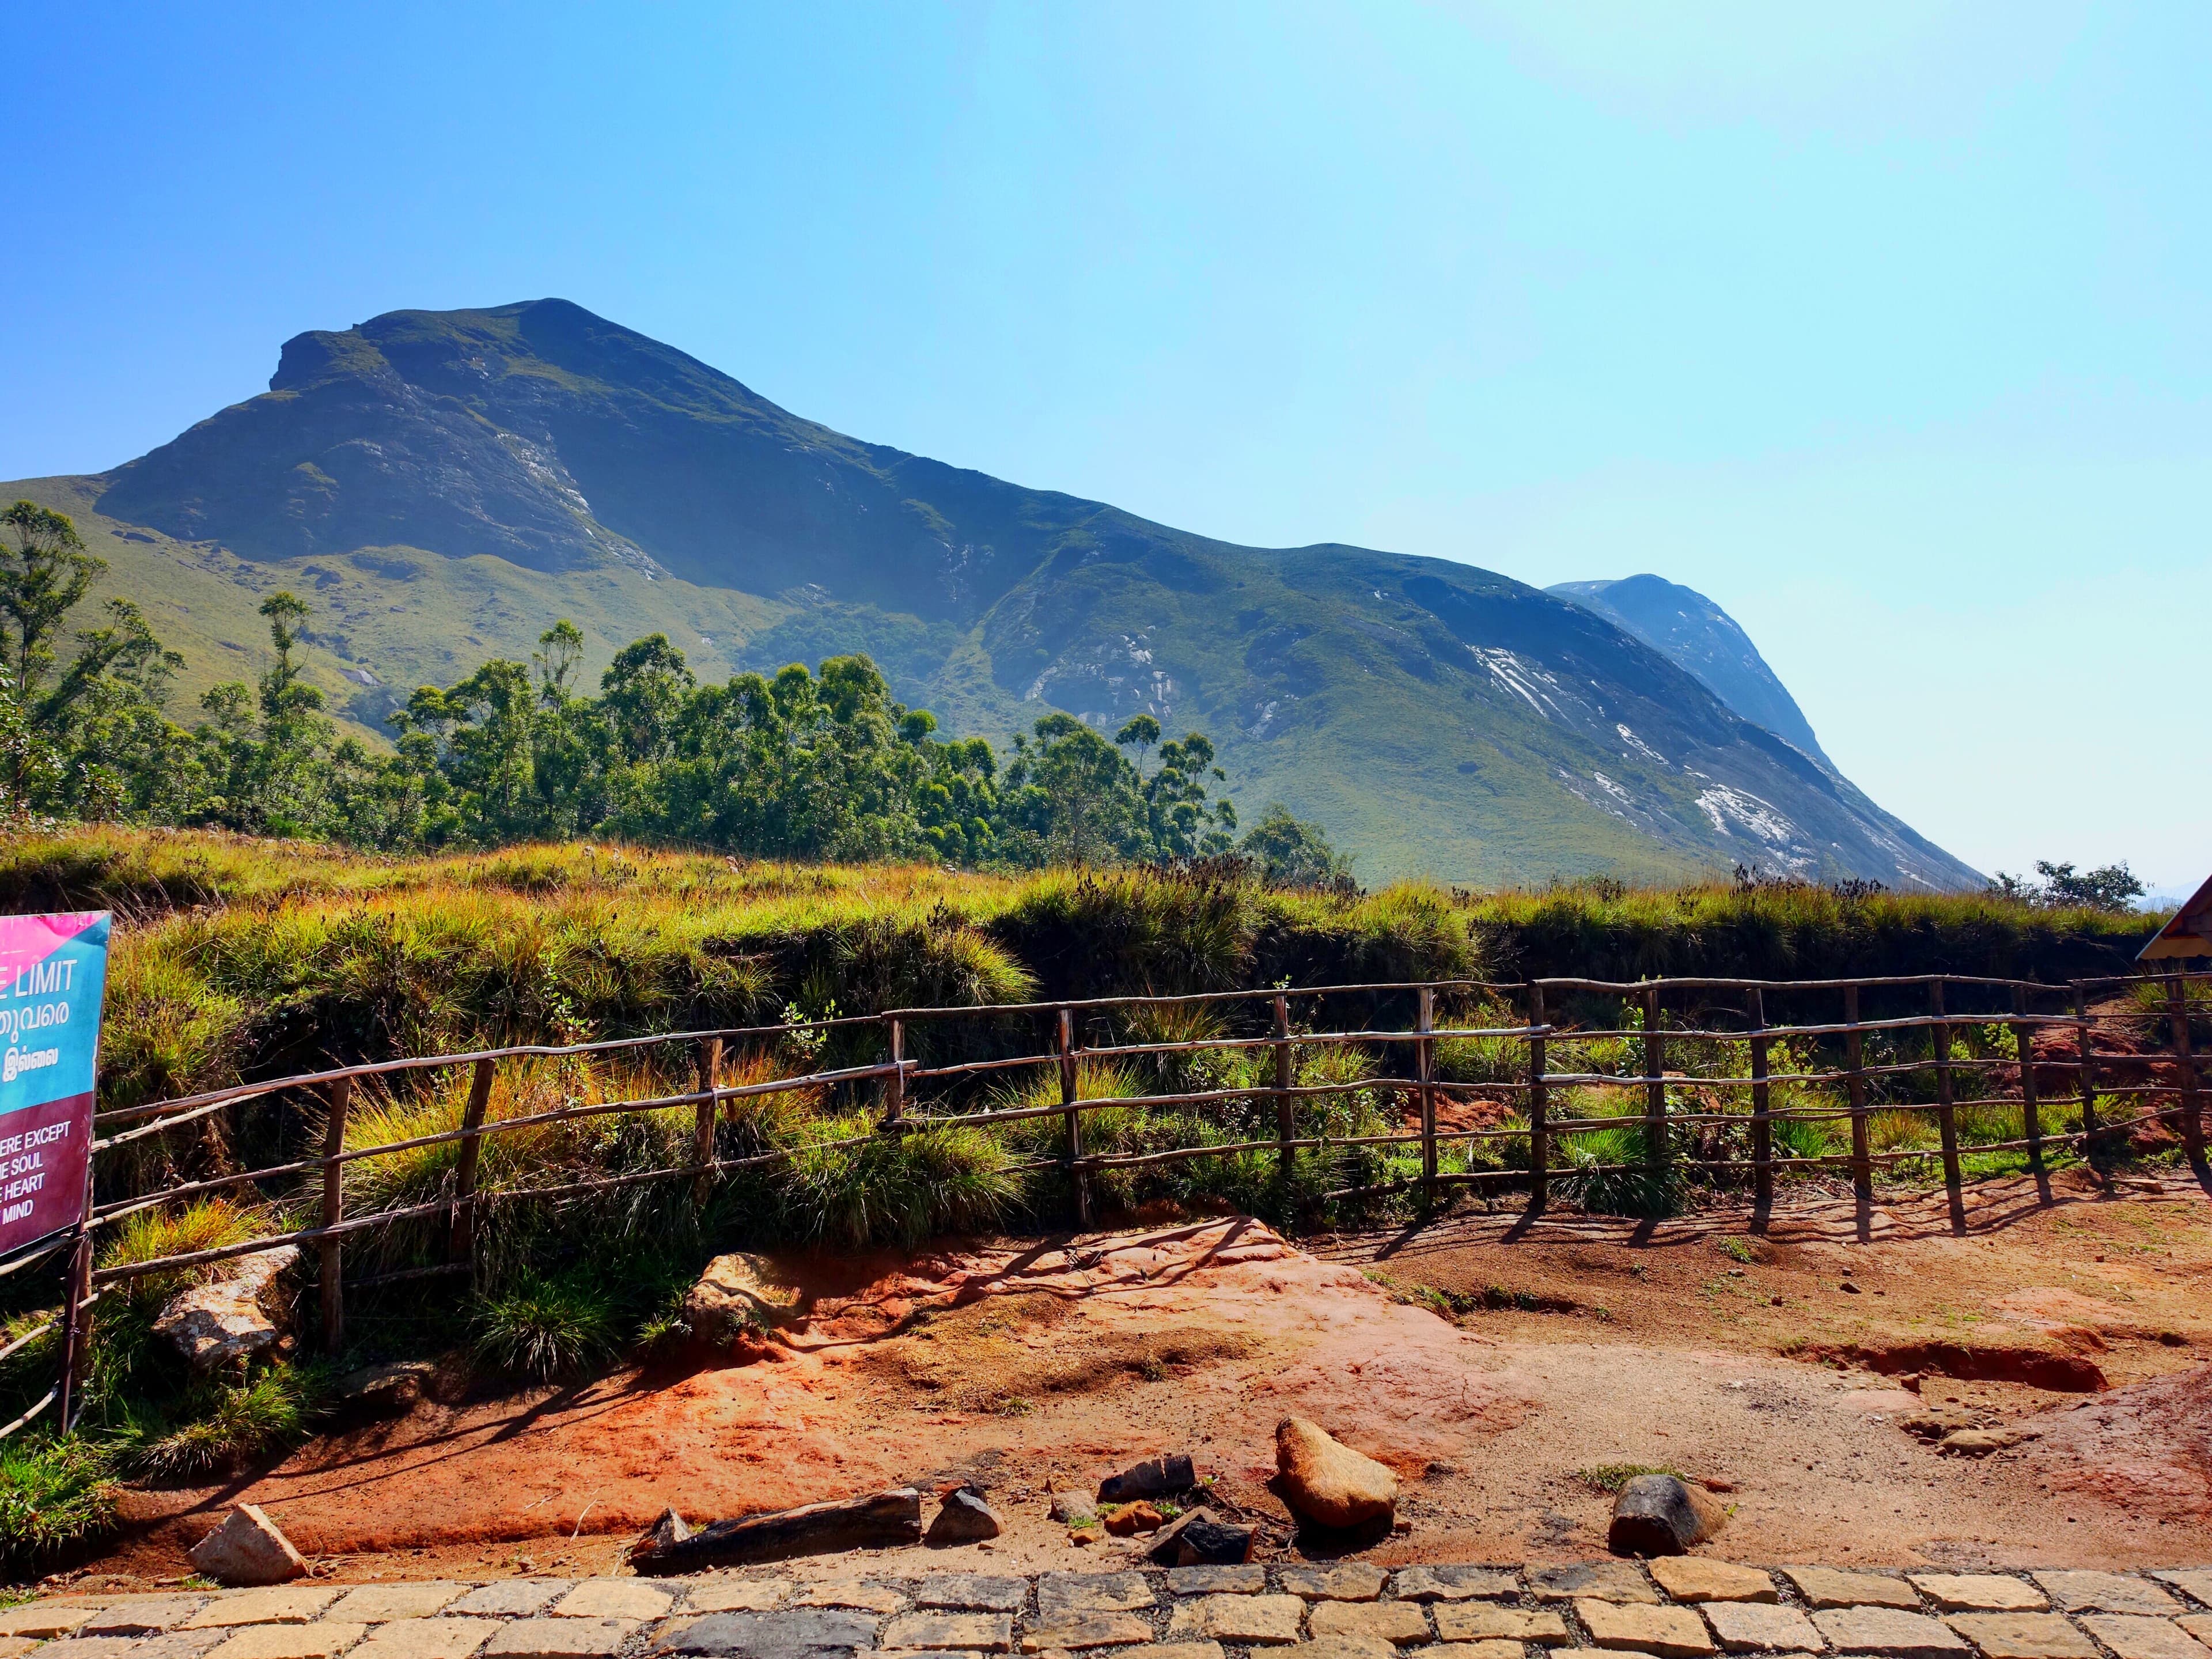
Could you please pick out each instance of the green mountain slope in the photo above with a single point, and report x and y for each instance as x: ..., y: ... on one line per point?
x: 442, y: 485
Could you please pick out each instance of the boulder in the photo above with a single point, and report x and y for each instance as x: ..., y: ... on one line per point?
x: 1662, y: 1514
x: 965, y: 1519
x: 872, y: 1522
x: 233, y: 1318
x: 1199, y: 1538
x: 248, y: 1549
x: 1326, y: 1482
x: 737, y: 1296
x: 380, y: 1391
x: 1156, y: 1477
x: 1073, y: 1508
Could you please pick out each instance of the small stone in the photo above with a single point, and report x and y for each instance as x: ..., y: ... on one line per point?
x: 1450, y: 1583
x: 292, y: 1604
x: 514, y: 1596
x: 1081, y: 1592
x: 1326, y: 1482
x: 1889, y: 1630
x: 1828, y: 1587
x: 1199, y: 1538
x: 1662, y: 1514
x: 963, y: 1519
x: 560, y: 1638
x: 1156, y: 1477
x: 1666, y: 1632
x: 1747, y: 1626
x: 973, y: 1592
x: 44, y: 1619
x: 737, y: 1296
x: 2106, y: 1592
x: 1339, y: 1581
x: 1080, y: 1536
x: 248, y: 1549
x: 1246, y: 1580
x: 1978, y: 1592
x: 2023, y: 1635
x: 233, y: 1319
x: 1264, y: 1621
x: 2132, y: 1636
x: 866, y: 1598
x: 1089, y: 1629
x: 783, y: 1635
x: 1133, y: 1518
x: 1692, y: 1578
x: 1402, y: 1622
x: 381, y: 1391
x: 637, y: 1599
x: 1979, y: 1443
x: 973, y: 1632
x: 1073, y: 1508
x: 428, y: 1638
x: 375, y: 1604
x: 320, y: 1640
x: 1602, y: 1581
x: 2195, y: 1582
x: 735, y: 1594
x: 138, y: 1615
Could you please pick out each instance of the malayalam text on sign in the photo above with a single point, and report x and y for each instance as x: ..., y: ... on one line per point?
x: 53, y: 972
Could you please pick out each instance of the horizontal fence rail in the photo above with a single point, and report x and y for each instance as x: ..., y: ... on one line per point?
x: 1718, y: 1116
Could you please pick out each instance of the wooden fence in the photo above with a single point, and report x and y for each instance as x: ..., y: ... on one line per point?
x: 2110, y: 1093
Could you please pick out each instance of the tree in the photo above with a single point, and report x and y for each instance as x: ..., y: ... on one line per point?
x: 1290, y: 853
x: 2113, y: 887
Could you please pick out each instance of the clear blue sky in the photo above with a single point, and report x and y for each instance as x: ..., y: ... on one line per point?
x: 1885, y: 325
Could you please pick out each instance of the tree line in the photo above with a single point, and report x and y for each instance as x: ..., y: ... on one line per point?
x: 814, y: 765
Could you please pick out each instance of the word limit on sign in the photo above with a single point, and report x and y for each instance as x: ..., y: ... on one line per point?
x: 53, y: 974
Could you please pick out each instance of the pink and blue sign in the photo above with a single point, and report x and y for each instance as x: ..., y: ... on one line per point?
x: 53, y: 973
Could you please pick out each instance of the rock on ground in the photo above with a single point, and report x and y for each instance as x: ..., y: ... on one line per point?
x: 232, y: 1319
x: 737, y: 1295
x: 248, y: 1549
x: 1662, y: 1514
x: 1326, y: 1482
x: 965, y: 1519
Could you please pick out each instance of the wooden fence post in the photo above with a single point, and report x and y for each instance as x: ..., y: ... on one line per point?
x: 461, y: 1238
x: 2031, y: 1109
x: 2085, y: 1058
x: 1655, y: 1088
x: 77, y: 1291
x: 1286, y: 1118
x: 1074, y: 1118
x: 1424, y: 1051
x: 895, y: 1086
x: 2192, y: 1125
x: 1854, y: 1085
x: 1539, y: 1133
x: 708, y: 1060
x: 1947, y: 1110
x: 1762, y: 1125
x: 333, y: 1286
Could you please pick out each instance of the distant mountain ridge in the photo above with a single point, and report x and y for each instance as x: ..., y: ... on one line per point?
x: 441, y: 484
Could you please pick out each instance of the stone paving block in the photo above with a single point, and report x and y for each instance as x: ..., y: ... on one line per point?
x: 374, y: 1604
x: 975, y: 1632
x: 2106, y: 1592
x: 640, y: 1599
x: 12, y: 1647
x: 1402, y: 1622
x: 1692, y: 1578
x: 44, y: 1618
x: 1458, y: 1621
x: 1595, y: 1581
x: 791, y: 1634
x: 1346, y: 1647
x: 1248, y: 1578
x: 428, y: 1638
x: 979, y: 1592
x: 1890, y: 1632
x: 1761, y: 1627
x: 2023, y: 1635
x: 1832, y: 1587
x: 2132, y: 1636
x: 560, y: 1638
x: 860, y: 1597
x: 321, y: 1640
x: 2198, y: 1625
x: 1666, y: 1632
x: 1089, y: 1629
x: 1173, y: 1650
x: 1451, y: 1583
x: 1084, y: 1592
x: 2194, y: 1581
x: 514, y: 1597
x: 1489, y: 1650
x: 1978, y: 1592
x: 177, y: 1644
x: 1259, y: 1620
x: 735, y: 1594
x: 84, y: 1647
x: 279, y: 1604
x: 1338, y: 1581
x: 141, y: 1615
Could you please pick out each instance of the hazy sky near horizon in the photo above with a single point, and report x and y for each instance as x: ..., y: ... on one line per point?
x: 1884, y: 326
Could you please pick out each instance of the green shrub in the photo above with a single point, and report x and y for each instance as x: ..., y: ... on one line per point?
x: 53, y: 1493
x: 241, y: 1425
x: 896, y: 1188
x: 539, y: 1329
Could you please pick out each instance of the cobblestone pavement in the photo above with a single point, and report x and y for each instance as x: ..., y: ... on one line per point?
x: 1680, y: 1608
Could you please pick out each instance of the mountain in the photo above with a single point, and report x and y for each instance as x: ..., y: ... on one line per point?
x: 441, y: 485
x: 1697, y: 634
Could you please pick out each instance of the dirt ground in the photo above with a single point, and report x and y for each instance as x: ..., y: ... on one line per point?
x: 1773, y: 1366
